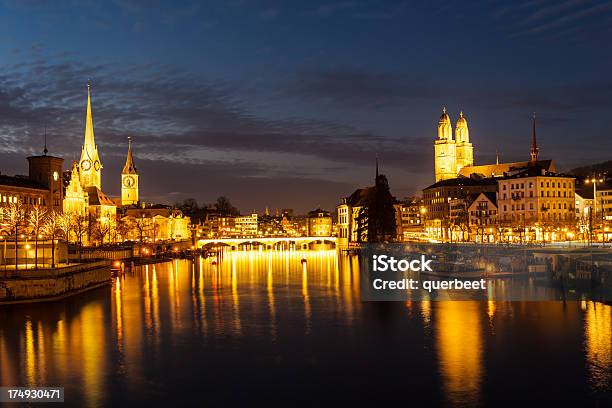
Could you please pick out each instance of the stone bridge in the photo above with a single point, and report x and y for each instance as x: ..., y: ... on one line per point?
x: 268, y: 242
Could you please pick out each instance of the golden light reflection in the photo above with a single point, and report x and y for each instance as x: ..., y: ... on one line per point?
x: 598, y: 336
x: 460, y: 349
x: 271, y: 306
x: 306, y: 297
x: 118, y: 313
x: 147, y: 301
x: 235, y: 302
x: 59, y: 346
x: 155, y: 303
x: 30, y: 357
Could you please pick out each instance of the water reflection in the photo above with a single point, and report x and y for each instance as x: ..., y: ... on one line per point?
x: 460, y: 348
x: 264, y: 314
x: 598, y: 335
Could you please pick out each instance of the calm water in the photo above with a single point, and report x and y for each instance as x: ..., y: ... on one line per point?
x: 260, y: 326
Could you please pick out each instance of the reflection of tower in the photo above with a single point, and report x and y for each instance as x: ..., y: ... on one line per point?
x: 460, y: 351
x: 129, y: 179
x: 91, y: 168
x: 465, y: 150
x: 445, y: 150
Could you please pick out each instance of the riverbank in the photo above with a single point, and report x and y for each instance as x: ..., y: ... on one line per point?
x: 43, y: 285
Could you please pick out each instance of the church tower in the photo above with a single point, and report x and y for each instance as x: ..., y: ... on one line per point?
x: 129, y: 179
x: 534, y: 142
x: 465, y: 150
x: 445, y: 150
x: 91, y: 168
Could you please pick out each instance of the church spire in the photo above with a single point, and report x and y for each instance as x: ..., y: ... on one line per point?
x: 91, y: 168
x: 129, y: 167
x: 89, y: 129
x: 45, y: 150
x: 376, y: 168
x: 534, y: 142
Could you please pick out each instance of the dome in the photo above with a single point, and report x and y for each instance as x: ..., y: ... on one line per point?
x: 461, y: 122
x: 444, y: 119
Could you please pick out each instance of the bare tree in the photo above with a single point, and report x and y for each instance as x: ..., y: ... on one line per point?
x: 122, y: 229
x: 141, y: 223
x: 52, y: 230
x: 101, y: 229
x: 13, y: 221
x: 36, y: 221
x: 81, y: 227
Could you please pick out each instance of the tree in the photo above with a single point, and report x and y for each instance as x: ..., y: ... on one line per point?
x: 101, y: 229
x: 224, y: 207
x: 36, y: 221
x: 52, y: 230
x: 122, y: 229
x: 189, y: 206
x: 13, y: 220
x: 81, y: 227
x: 141, y: 223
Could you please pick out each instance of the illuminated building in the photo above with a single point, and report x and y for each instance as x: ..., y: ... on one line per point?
x: 129, y: 179
x: 319, y: 223
x: 438, y: 197
x: 500, y: 169
x: 350, y: 208
x: 43, y: 185
x: 91, y: 167
x: 156, y: 223
x: 452, y: 154
x: 246, y: 225
x: 89, y: 173
x: 76, y: 199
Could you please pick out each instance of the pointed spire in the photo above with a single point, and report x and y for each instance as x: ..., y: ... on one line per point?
x: 461, y: 114
x: 376, y: 168
x: 497, y: 157
x: 534, y: 142
x: 89, y: 128
x: 129, y: 167
x: 45, y: 150
x: 444, y: 110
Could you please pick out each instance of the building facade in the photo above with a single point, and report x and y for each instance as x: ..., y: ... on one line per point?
x: 451, y: 154
x: 320, y: 223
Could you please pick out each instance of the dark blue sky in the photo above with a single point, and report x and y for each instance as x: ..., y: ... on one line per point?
x: 286, y: 104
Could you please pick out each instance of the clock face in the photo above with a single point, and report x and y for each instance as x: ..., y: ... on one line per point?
x: 55, y: 176
x: 86, y: 165
x: 97, y: 165
x: 128, y: 181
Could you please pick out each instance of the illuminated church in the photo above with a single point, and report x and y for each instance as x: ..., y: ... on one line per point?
x: 454, y: 156
x: 84, y: 195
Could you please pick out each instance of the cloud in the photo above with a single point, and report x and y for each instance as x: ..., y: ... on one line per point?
x: 179, y: 121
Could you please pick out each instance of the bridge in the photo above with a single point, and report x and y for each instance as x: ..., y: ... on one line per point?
x: 267, y: 242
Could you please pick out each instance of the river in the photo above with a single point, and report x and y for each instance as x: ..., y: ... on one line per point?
x: 263, y: 326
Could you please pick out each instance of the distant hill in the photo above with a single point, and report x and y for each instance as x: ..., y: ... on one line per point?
x: 605, y: 167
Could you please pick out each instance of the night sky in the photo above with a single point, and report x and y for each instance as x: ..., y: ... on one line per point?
x: 286, y: 104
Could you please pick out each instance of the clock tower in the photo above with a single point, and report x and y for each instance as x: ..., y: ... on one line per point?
x: 90, y: 165
x: 129, y: 179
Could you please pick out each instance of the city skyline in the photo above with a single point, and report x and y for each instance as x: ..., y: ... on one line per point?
x: 300, y: 129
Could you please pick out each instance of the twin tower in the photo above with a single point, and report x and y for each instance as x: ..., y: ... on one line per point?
x: 451, y: 155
